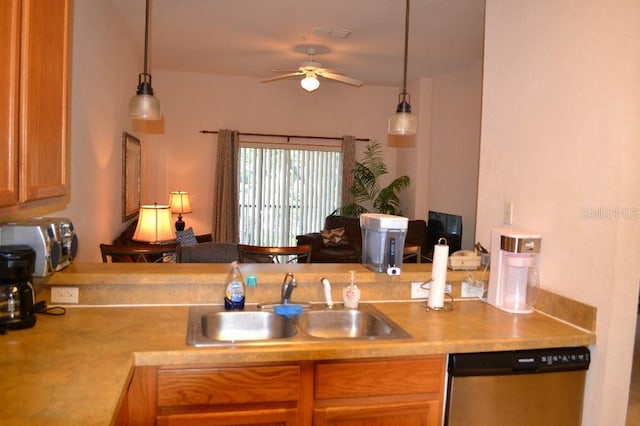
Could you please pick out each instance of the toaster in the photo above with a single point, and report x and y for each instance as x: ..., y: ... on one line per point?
x: 52, y: 238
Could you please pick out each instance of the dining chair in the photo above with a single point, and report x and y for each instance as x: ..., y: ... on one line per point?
x: 412, y: 252
x: 262, y: 254
x: 136, y: 254
x: 208, y: 252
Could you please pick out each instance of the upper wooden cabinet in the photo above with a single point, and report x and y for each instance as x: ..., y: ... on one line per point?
x: 34, y: 55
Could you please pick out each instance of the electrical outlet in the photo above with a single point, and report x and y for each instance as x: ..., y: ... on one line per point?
x: 417, y: 292
x: 469, y: 290
x: 65, y: 295
x: 420, y: 290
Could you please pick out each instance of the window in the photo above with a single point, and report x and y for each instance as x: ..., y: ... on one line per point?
x: 285, y: 192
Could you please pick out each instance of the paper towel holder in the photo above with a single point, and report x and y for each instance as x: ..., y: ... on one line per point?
x: 446, y: 306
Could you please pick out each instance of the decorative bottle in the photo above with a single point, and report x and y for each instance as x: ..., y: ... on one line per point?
x: 234, y: 289
x: 351, y: 292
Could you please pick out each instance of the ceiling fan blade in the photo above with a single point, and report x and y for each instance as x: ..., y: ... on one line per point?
x: 341, y: 78
x: 279, y: 77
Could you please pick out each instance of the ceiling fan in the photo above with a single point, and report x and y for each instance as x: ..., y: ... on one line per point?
x: 312, y: 70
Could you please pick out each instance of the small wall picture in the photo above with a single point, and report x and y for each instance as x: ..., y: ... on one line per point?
x: 131, y: 164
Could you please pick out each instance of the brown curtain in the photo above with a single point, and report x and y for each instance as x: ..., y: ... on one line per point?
x: 348, y: 162
x: 225, y: 197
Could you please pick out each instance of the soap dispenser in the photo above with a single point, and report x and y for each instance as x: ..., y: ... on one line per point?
x: 351, y: 292
x: 234, y: 289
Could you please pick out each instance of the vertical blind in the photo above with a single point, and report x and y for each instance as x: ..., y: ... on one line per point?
x: 285, y: 192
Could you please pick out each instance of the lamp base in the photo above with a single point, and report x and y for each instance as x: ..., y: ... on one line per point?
x: 180, y: 224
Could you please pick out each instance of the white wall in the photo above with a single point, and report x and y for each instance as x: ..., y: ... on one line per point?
x: 559, y: 138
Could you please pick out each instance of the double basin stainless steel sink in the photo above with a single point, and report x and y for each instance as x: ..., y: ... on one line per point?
x: 213, y: 326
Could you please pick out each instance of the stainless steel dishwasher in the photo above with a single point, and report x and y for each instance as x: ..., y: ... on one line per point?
x: 517, y: 388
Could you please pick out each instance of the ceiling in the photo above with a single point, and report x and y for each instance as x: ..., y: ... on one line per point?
x: 254, y: 37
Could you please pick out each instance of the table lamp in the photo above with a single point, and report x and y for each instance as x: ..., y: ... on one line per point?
x: 179, y: 202
x: 154, y: 224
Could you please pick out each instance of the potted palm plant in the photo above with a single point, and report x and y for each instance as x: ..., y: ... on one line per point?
x: 367, y: 190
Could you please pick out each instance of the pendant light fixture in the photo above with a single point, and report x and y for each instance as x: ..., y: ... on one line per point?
x: 403, y: 122
x: 145, y: 106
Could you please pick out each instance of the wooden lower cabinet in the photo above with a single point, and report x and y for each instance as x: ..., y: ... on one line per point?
x: 402, y: 392
x: 393, y: 391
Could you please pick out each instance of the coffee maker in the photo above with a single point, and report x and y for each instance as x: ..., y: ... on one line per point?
x: 514, y: 280
x: 16, y: 292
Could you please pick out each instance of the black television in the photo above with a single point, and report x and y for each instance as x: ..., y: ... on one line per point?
x: 447, y: 226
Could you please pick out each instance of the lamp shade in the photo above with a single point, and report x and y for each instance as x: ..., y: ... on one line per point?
x: 179, y: 202
x: 144, y: 107
x: 310, y: 83
x: 154, y: 224
x: 402, y: 123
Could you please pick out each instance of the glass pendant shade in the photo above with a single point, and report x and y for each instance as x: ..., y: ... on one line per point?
x: 144, y: 107
x: 154, y: 224
x: 403, y: 122
x: 310, y: 83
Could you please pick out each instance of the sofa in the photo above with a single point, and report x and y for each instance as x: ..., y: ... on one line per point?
x: 340, y: 241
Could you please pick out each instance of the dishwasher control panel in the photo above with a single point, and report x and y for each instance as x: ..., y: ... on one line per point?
x: 544, y: 359
x: 519, y: 362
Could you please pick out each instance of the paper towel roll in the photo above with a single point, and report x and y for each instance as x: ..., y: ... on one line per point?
x: 438, y: 276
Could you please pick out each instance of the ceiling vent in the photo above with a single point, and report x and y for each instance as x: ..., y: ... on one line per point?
x: 330, y: 32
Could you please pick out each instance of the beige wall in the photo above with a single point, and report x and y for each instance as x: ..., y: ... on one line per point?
x: 104, y: 77
x: 559, y: 138
x: 455, y: 146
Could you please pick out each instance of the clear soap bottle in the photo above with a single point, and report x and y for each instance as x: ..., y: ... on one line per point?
x: 351, y: 292
x: 234, y: 289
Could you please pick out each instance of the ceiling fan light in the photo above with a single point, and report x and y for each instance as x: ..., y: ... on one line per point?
x: 310, y: 83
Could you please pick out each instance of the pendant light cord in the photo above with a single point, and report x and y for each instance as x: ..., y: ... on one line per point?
x: 406, y: 50
x: 146, y: 35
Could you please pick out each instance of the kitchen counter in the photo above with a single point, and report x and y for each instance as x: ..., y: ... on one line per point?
x: 73, y: 369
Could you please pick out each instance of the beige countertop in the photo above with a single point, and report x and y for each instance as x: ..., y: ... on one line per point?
x: 72, y: 369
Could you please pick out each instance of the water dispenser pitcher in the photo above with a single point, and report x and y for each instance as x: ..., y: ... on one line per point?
x: 514, y: 280
x: 383, y: 238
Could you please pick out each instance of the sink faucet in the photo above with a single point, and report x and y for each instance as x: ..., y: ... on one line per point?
x: 327, y: 292
x: 288, y: 284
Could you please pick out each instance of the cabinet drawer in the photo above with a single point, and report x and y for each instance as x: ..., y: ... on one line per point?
x: 181, y: 387
x: 379, y: 378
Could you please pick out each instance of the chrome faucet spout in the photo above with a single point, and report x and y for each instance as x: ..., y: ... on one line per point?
x: 288, y: 284
x: 327, y: 292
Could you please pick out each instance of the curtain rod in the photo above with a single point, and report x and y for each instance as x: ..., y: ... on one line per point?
x: 289, y: 137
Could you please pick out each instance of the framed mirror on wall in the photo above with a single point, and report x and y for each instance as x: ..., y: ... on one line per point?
x: 131, y: 165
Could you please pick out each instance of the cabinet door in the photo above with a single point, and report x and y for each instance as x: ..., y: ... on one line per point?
x: 9, y: 63
x: 43, y: 98
x: 415, y: 413
x: 402, y: 392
